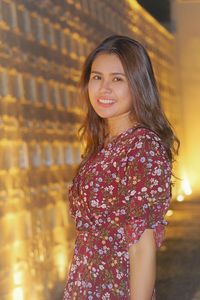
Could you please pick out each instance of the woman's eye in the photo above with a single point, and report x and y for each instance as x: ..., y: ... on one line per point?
x: 117, y: 79
x: 96, y: 77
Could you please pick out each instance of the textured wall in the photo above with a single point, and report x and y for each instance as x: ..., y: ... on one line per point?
x: 186, y: 15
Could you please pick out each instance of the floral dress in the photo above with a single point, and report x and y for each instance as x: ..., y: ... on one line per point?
x: 117, y: 194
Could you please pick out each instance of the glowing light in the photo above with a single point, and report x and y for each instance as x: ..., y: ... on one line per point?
x: 18, y: 294
x: 17, y: 277
x: 61, y: 263
x: 186, y: 187
x: 180, y: 198
x: 169, y: 213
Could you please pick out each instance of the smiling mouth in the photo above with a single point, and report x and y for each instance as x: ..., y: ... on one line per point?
x: 105, y: 102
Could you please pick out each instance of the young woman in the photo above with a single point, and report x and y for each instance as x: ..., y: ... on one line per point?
x: 122, y: 188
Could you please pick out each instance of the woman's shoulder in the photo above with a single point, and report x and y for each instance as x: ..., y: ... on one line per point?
x: 143, y: 139
x: 143, y: 134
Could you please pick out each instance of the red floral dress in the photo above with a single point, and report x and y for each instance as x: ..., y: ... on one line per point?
x: 117, y: 194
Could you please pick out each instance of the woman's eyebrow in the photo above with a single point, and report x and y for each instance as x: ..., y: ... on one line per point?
x: 114, y: 73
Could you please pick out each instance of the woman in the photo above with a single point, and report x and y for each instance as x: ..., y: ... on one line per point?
x: 122, y: 188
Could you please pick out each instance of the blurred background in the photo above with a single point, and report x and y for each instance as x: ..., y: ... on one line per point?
x: 42, y: 48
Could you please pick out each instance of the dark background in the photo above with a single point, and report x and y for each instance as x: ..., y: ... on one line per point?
x: 158, y: 9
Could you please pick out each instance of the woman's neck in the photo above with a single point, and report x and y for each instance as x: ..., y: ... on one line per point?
x: 118, y: 124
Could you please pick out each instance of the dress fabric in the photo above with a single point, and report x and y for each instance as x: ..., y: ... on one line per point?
x: 117, y: 194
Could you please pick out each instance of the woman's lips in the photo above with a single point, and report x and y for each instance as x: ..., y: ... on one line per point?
x: 104, y: 104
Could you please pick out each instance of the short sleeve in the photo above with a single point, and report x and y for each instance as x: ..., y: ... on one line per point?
x: 148, y: 189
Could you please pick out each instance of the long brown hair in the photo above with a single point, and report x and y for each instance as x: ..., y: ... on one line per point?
x: 146, y: 106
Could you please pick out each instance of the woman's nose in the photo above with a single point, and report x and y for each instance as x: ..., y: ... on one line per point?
x: 105, y: 85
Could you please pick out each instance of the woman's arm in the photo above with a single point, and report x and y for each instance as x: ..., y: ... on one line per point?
x: 143, y: 267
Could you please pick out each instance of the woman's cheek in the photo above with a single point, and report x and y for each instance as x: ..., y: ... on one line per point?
x: 94, y: 87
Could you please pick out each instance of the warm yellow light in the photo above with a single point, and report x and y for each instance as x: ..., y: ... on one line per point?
x: 169, y: 213
x: 18, y: 294
x: 180, y: 198
x: 186, y: 187
x: 17, y: 277
x: 61, y: 264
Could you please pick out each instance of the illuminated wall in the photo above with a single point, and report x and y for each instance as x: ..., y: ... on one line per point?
x: 42, y: 47
x: 186, y: 16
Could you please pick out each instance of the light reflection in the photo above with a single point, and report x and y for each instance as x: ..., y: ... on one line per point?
x: 18, y: 293
x: 169, y: 213
x: 61, y: 262
x: 180, y: 198
x: 186, y: 187
x: 17, y: 277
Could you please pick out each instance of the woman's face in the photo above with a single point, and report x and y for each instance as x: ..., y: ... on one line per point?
x: 108, y: 88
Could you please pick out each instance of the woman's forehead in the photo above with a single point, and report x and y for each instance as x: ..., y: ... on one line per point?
x: 106, y: 61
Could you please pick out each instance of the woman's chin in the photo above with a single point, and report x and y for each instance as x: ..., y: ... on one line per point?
x: 105, y: 116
